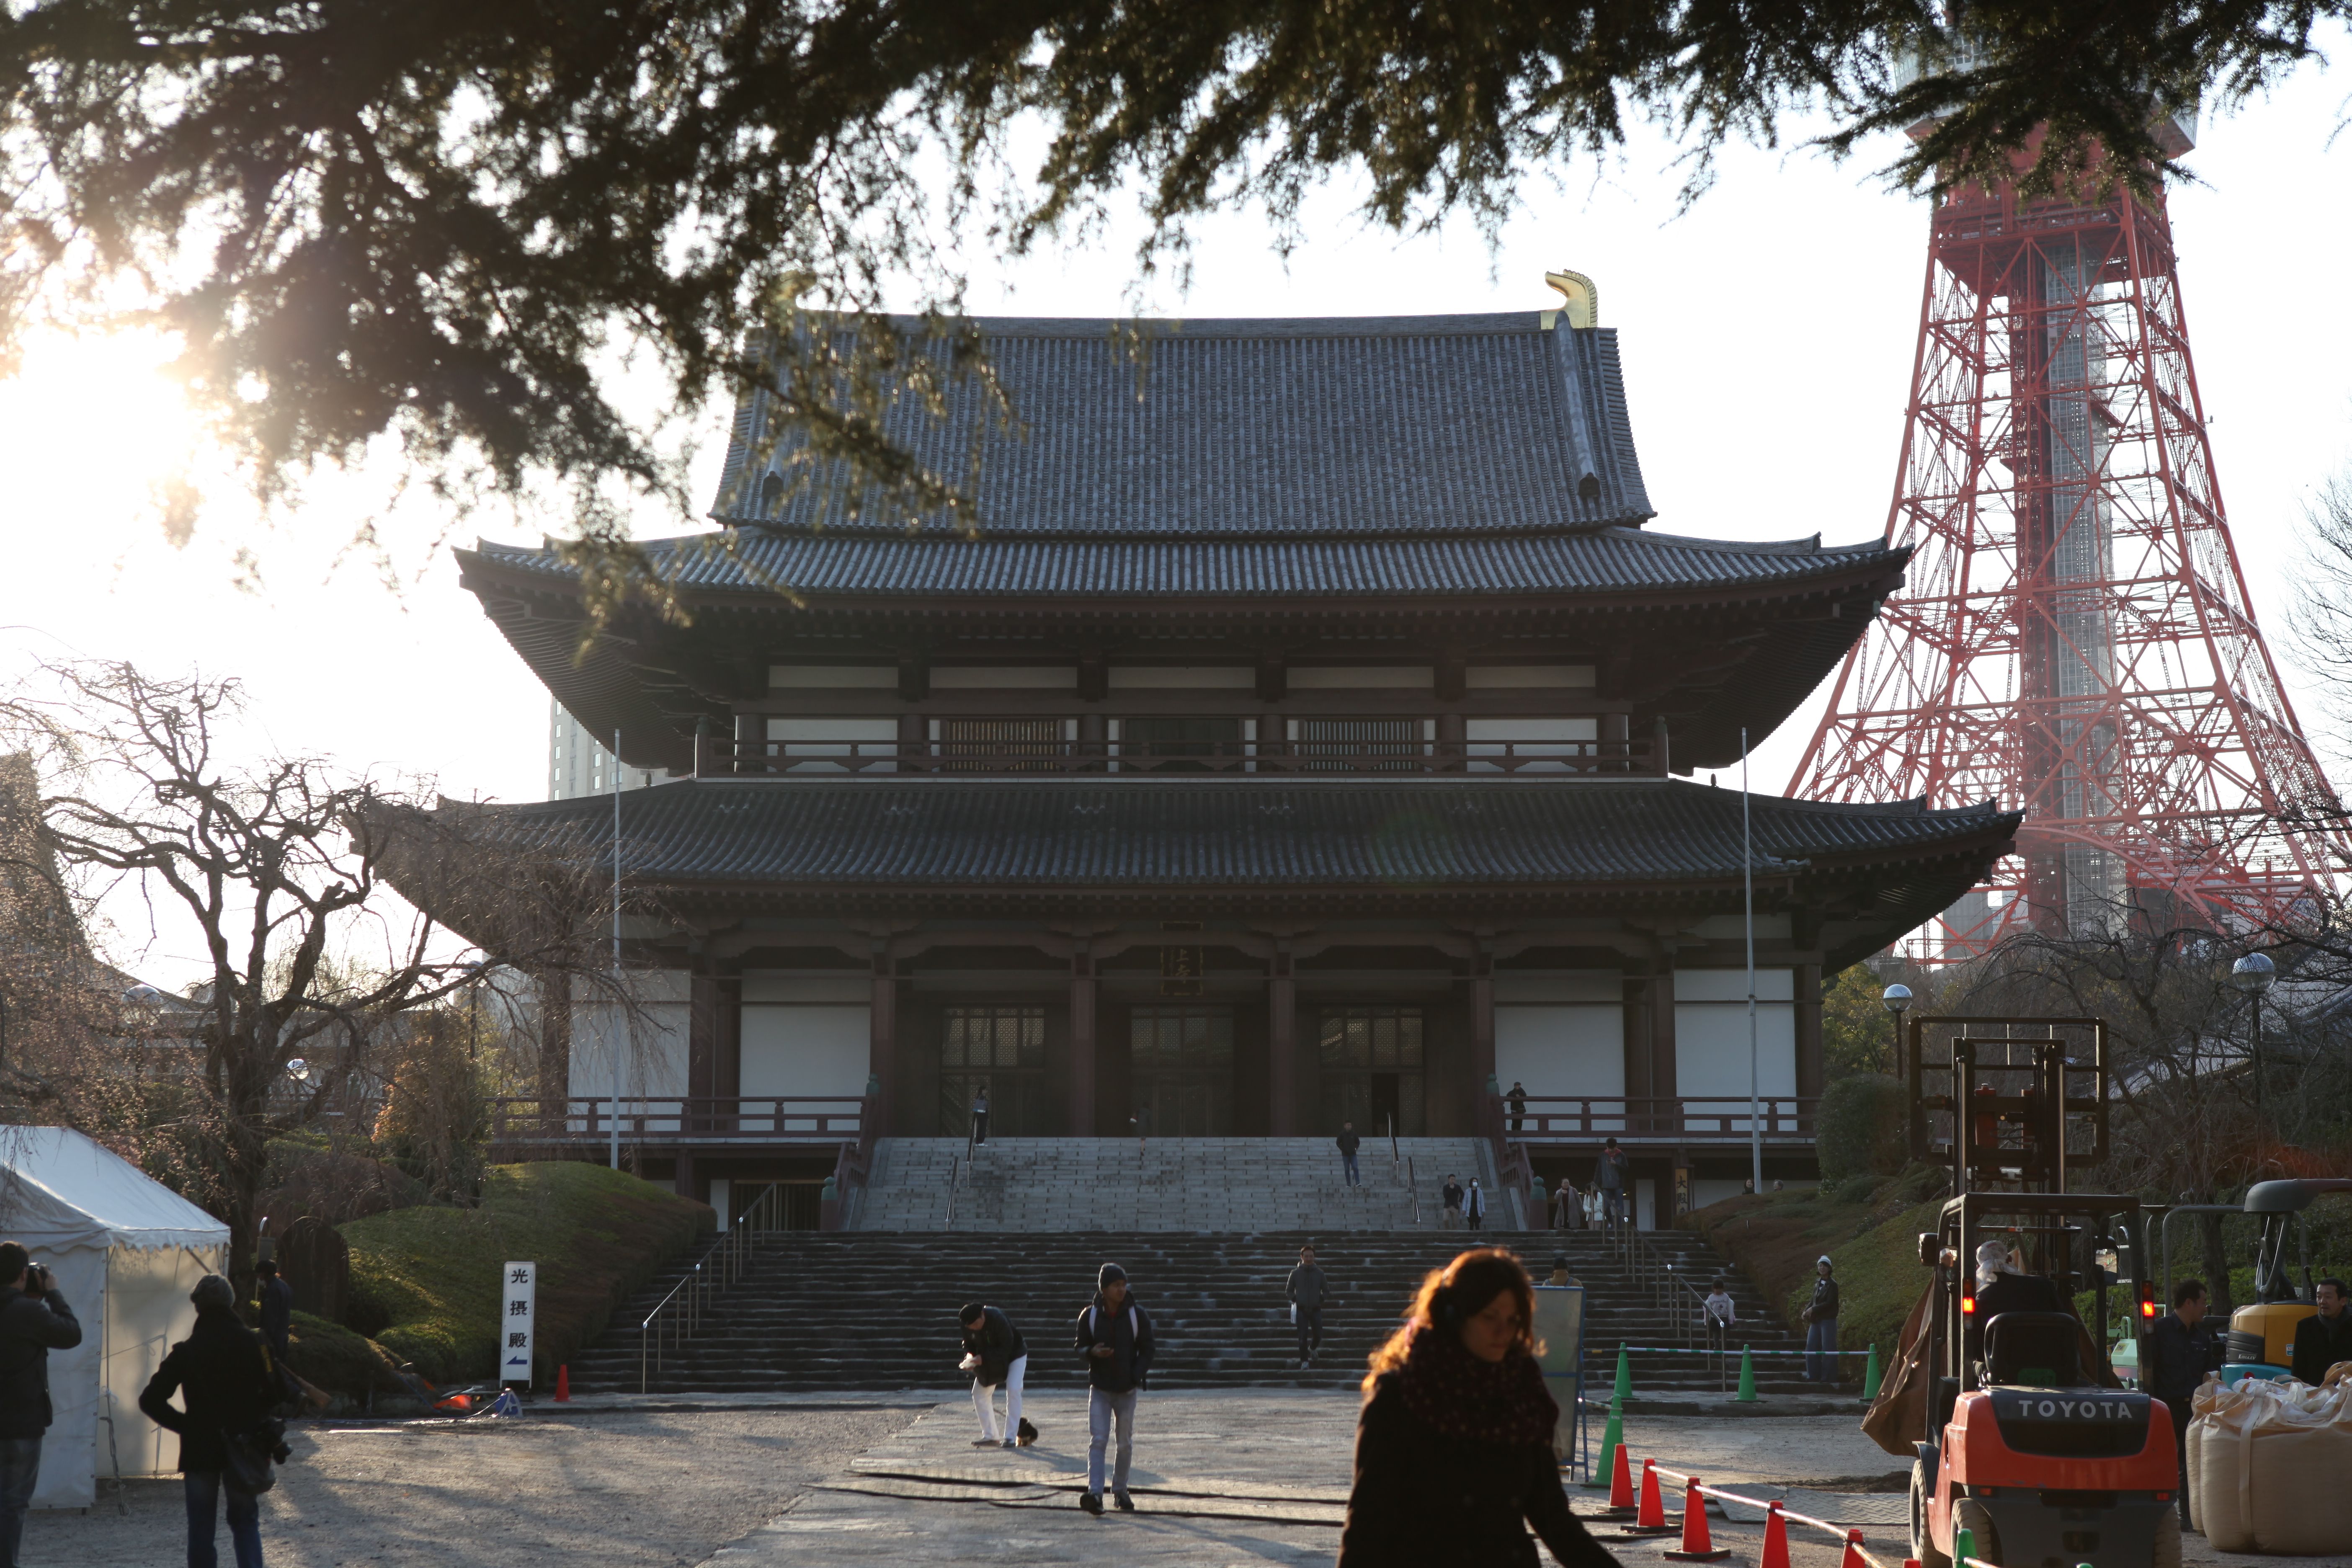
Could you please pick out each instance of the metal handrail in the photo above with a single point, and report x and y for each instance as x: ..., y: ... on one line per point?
x: 677, y: 1316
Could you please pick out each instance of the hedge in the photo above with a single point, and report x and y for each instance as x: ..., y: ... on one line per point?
x: 426, y: 1282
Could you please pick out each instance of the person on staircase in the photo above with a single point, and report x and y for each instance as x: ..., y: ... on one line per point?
x: 1349, y: 1143
x: 979, y: 1116
x: 1474, y: 1206
x: 1610, y: 1177
x: 1115, y: 1337
x: 1720, y: 1314
x: 1821, y: 1325
x: 997, y: 1357
x: 1305, y: 1291
x: 1454, y: 1446
x: 1568, y: 1207
x: 1449, y: 1213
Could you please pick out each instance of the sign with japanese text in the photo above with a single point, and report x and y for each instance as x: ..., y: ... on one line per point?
x: 521, y: 1294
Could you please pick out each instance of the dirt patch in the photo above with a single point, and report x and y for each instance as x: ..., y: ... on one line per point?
x: 620, y: 1491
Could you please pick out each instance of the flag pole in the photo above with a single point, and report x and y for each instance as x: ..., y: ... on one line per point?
x: 1747, y: 876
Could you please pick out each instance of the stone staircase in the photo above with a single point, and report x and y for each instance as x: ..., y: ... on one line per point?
x: 1242, y: 1184
x: 876, y: 1309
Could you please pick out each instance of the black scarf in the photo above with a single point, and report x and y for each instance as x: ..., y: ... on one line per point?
x: 1462, y: 1397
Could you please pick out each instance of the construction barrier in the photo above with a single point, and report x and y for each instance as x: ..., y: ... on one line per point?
x: 1697, y: 1545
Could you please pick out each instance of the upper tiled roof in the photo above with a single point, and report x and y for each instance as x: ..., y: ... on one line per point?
x: 1609, y: 560
x: 1350, y: 426
x: 877, y: 835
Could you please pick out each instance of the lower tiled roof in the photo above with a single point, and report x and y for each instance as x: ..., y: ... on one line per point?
x: 1039, y: 834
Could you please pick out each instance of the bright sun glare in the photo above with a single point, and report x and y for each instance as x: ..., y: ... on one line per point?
x: 92, y: 427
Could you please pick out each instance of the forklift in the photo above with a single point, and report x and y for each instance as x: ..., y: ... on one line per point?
x: 2263, y: 1334
x: 2030, y: 1443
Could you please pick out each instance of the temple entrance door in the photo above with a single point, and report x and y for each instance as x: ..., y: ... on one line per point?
x: 1371, y: 1060
x: 1003, y: 1049
x: 1182, y: 1062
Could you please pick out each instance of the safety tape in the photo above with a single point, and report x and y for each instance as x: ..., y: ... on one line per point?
x: 1847, y: 1537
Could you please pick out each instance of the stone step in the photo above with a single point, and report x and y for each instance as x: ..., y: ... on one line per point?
x: 875, y: 1310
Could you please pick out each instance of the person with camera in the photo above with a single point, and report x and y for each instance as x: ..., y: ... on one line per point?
x: 222, y: 1373
x: 33, y: 1320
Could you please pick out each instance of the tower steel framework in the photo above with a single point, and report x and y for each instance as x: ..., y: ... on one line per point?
x: 2074, y: 635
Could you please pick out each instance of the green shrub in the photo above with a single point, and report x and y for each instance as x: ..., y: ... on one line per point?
x: 1854, y: 1189
x: 430, y: 1274
x: 339, y: 1361
x: 1863, y: 1127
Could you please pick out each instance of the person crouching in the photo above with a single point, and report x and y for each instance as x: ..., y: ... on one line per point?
x: 1454, y: 1446
x: 997, y: 1357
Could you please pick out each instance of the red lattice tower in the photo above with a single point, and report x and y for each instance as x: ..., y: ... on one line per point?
x: 2074, y: 635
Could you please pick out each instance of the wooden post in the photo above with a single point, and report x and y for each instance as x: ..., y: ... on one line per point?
x: 882, y: 1042
x: 1482, y: 1042
x: 1282, y: 1045
x: 1082, y: 1043
x: 1810, y: 1068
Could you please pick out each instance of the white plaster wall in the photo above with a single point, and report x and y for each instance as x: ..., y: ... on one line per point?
x: 1711, y: 1038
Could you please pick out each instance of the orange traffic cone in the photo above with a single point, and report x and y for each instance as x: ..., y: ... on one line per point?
x: 1654, y: 1505
x: 1620, y: 1486
x: 1776, y: 1539
x: 564, y: 1383
x: 1697, y: 1545
x: 1853, y: 1557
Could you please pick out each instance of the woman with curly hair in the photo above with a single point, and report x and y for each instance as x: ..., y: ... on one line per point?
x: 1454, y: 1446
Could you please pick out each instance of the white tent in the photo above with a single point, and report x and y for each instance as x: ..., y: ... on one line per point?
x: 126, y: 1250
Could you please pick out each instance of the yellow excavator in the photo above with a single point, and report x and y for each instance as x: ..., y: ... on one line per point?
x: 2263, y: 1334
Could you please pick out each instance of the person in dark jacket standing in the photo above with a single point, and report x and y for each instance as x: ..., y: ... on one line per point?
x: 1609, y: 1177
x: 1449, y: 1214
x: 1349, y: 1143
x: 33, y: 1320
x: 1453, y: 1447
x: 997, y: 1357
x: 1821, y: 1325
x: 1115, y: 1336
x: 1305, y: 1290
x: 2321, y: 1341
x: 979, y: 1116
x: 2183, y: 1349
x: 221, y: 1372
x: 276, y: 1305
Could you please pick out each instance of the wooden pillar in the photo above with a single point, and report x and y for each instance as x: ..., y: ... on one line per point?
x: 1083, y: 1087
x: 682, y: 1178
x: 554, y: 988
x: 1810, y: 1068
x: 882, y: 1040
x: 1282, y: 1045
x: 1482, y: 1042
x: 751, y: 744
x: 1662, y: 1034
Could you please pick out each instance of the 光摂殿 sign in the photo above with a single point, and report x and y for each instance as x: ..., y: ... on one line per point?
x: 515, y: 1324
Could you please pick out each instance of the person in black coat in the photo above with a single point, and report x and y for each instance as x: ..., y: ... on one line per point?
x: 33, y: 1320
x: 1454, y: 1448
x: 996, y: 1356
x: 222, y: 1374
x: 2322, y: 1340
x: 2182, y: 1348
x: 274, y: 1302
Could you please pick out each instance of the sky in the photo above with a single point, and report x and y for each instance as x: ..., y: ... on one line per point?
x: 1767, y: 335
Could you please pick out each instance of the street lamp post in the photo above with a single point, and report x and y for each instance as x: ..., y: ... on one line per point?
x: 1897, y: 998
x: 2255, y: 974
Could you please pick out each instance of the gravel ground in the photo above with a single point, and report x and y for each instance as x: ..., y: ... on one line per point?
x: 619, y: 1490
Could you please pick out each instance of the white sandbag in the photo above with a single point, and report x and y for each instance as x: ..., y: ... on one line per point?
x: 2266, y: 1467
x: 2196, y: 1439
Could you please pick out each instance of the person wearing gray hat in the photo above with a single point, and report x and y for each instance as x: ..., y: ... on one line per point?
x: 1821, y: 1325
x: 223, y: 1375
x: 1115, y: 1337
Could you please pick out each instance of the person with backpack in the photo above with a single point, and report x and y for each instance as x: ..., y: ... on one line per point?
x: 1115, y: 1337
x: 224, y: 1376
x: 33, y: 1320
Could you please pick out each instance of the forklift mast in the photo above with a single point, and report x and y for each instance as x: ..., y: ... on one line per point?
x: 2012, y: 1104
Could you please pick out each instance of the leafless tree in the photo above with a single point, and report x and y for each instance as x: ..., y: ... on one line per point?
x: 279, y: 866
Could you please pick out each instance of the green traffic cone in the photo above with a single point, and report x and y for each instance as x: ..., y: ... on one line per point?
x: 1625, y: 1389
x: 1964, y: 1545
x: 1747, y: 1394
x: 1612, y: 1435
x: 1870, y: 1375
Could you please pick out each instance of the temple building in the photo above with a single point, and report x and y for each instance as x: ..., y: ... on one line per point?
x: 1300, y: 729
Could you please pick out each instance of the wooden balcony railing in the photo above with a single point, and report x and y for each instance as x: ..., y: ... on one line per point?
x: 662, y: 1121
x: 1631, y: 1120
x: 718, y: 756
